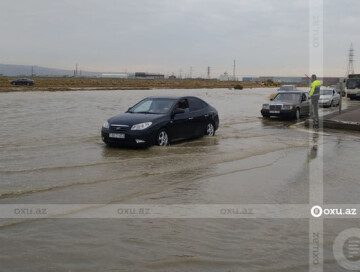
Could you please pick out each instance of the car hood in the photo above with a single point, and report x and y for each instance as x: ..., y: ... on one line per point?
x: 325, y: 96
x: 283, y: 103
x: 134, y: 118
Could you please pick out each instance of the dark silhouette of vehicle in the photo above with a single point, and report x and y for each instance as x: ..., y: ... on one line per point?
x: 160, y: 121
x: 287, y: 104
x: 22, y: 81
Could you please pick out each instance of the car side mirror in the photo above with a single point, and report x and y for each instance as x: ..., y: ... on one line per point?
x: 178, y: 111
x: 271, y: 99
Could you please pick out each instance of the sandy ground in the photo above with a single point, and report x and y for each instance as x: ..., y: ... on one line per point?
x: 68, y: 84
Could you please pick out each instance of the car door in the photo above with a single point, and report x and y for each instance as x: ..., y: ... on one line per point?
x: 336, y: 97
x: 180, y: 123
x: 198, y: 117
x: 305, y: 104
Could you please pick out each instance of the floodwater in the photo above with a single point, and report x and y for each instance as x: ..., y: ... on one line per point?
x: 51, y: 153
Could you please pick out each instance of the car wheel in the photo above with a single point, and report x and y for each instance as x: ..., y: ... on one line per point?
x: 210, y: 129
x: 297, y: 114
x: 162, y: 138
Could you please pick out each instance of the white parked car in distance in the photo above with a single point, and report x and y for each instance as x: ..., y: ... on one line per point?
x: 329, y: 97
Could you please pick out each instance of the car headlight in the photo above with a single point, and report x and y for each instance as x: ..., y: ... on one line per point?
x: 287, y: 107
x: 106, y: 124
x: 141, y: 126
x: 266, y: 106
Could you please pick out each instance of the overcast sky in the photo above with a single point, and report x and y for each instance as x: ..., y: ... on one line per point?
x: 265, y: 37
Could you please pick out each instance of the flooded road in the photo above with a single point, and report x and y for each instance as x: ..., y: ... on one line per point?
x: 51, y: 153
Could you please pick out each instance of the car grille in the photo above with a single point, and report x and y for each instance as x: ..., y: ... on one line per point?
x: 275, y: 107
x: 119, y: 127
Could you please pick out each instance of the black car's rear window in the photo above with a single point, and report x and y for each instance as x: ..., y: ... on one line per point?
x: 195, y: 104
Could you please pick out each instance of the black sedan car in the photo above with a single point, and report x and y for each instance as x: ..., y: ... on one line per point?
x: 160, y: 121
x: 22, y: 81
x: 287, y: 104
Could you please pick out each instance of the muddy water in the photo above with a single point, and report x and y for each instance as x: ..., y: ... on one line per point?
x: 51, y: 153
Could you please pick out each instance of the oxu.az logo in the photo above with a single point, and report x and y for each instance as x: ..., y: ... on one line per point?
x: 346, y: 249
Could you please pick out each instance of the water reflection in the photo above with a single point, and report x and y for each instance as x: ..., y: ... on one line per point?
x: 189, y: 147
x: 314, y: 147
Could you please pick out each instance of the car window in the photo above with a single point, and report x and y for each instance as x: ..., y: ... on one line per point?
x: 287, y: 97
x: 353, y: 83
x: 326, y: 92
x: 182, y: 104
x: 304, y: 97
x: 155, y: 106
x: 145, y: 106
x: 195, y: 104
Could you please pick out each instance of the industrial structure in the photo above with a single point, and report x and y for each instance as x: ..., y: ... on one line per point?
x: 350, y: 68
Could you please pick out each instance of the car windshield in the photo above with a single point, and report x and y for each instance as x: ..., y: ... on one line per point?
x: 326, y: 92
x: 353, y: 83
x: 153, y: 105
x: 287, y: 97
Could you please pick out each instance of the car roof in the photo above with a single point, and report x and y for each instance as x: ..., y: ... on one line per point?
x: 175, y: 97
x: 291, y: 92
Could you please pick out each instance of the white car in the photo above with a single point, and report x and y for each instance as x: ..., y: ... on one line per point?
x: 329, y: 97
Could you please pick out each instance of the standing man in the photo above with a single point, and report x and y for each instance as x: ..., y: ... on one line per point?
x: 315, y: 95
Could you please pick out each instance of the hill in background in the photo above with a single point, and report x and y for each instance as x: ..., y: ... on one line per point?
x: 26, y: 70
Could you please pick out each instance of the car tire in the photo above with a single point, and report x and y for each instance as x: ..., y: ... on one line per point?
x: 210, y: 129
x: 162, y: 138
x: 297, y: 114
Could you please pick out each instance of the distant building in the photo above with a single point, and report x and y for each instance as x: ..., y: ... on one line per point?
x: 326, y: 81
x: 115, y: 75
x: 148, y: 75
x: 226, y: 77
x: 250, y: 79
x: 288, y: 79
x: 172, y: 77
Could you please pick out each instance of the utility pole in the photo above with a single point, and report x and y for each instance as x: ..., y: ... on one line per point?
x: 341, y: 90
x: 208, y: 72
x: 190, y: 71
x: 234, y: 71
x: 76, y: 70
x: 350, y: 69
